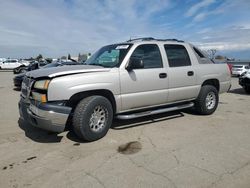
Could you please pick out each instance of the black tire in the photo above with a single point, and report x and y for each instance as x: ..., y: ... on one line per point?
x: 247, y: 89
x: 202, y: 105
x: 84, y: 118
x: 22, y: 70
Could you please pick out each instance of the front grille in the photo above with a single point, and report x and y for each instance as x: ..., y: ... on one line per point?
x: 26, y: 86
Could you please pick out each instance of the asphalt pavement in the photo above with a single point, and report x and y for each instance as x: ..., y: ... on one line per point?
x: 178, y: 149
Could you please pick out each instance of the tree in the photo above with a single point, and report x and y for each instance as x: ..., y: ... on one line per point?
x: 49, y: 60
x: 211, y: 53
x: 64, y: 57
x: 39, y: 57
x: 69, y: 56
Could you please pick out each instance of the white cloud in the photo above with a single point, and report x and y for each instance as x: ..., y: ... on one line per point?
x: 224, y: 46
x: 56, y: 27
x: 196, y: 8
x: 229, y: 38
x: 199, y: 17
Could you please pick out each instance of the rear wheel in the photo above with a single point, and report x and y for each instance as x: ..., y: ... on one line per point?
x: 207, y: 101
x: 92, y: 118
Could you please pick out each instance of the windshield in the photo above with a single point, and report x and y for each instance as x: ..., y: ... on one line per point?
x: 51, y: 65
x: 109, y: 56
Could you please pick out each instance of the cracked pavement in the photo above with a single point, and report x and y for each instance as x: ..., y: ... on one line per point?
x: 177, y: 149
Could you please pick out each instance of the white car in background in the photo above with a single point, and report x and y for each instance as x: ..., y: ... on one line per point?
x: 2, y: 60
x: 238, y: 70
x: 12, y: 63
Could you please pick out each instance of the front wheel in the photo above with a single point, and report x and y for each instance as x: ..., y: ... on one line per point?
x: 92, y: 118
x: 22, y: 70
x: 207, y: 101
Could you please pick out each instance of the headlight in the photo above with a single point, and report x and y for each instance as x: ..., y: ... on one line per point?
x: 42, y: 84
x: 39, y: 97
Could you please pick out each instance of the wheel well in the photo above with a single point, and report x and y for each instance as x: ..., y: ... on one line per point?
x: 213, y: 82
x: 75, y: 99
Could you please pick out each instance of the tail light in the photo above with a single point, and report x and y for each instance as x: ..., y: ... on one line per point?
x: 230, y: 67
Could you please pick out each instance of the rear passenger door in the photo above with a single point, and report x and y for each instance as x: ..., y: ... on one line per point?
x: 181, y: 74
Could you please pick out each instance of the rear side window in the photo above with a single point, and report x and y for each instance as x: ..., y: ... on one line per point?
x: 177, y: 55
x: 150, y: 54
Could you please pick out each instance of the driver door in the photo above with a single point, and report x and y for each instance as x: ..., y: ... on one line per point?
x: 147, y: 86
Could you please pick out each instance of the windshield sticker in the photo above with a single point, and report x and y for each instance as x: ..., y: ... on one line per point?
x: 122, y: 47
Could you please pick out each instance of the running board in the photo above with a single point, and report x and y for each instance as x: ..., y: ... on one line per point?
x: 153, y: 112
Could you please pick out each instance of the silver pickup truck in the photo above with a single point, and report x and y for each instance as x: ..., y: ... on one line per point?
x: 127, y: 80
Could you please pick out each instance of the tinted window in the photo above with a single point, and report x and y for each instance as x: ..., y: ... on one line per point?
x: 177, y: 55
x: 150, y: 54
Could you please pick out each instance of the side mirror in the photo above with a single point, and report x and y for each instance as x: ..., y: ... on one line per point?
x: 135, y: 63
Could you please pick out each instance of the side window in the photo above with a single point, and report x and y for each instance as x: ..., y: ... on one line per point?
x: 13, y: 61
x: 198, y: 52
x: 177, y: 55
x: 150, y: 54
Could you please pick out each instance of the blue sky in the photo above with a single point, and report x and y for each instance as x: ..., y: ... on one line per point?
x: 58, y: 27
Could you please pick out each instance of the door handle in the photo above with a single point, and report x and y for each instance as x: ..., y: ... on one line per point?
x: 163, y: 75
x: 190, y: 73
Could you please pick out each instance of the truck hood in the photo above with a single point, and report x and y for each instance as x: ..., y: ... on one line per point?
x: 65, y: 70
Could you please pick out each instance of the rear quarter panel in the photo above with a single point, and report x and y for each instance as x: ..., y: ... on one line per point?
x: 220, y: 72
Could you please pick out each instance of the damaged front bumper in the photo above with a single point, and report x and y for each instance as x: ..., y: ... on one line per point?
x: 46, y: 116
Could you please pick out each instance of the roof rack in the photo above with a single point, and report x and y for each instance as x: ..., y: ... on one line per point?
x: 175, y: 40
x: 151, y: 38
x: 141, y: 39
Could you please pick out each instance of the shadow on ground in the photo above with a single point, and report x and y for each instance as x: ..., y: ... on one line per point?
x: 126, y: 124
x: 38, y: 135
x: 41, y: 136
x: 239, y: 91
x: 16, y: 89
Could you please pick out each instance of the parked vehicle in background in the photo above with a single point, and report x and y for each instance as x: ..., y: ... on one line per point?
x: 37, y: 65
x: 61, y: 63
x: 237, y: 70
x: 32, y: 66
x: 244, y: 81
x: 2, y: 60
x: 10, y: 64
